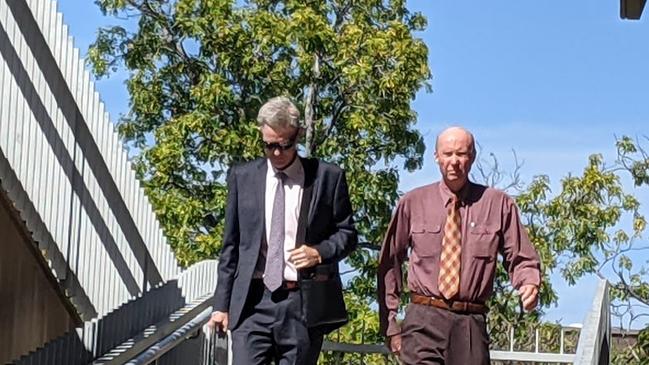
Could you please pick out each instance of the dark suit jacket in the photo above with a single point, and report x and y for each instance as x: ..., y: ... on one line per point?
x: 325, y: 224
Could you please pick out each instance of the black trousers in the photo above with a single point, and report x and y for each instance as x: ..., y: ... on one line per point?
x: 272, y: 330
x: 434, y: 336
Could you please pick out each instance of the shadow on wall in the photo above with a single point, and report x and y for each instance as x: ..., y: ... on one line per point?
x: 110, y: 331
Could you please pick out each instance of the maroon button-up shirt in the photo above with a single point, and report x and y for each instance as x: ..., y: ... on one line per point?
x: 490, y: 225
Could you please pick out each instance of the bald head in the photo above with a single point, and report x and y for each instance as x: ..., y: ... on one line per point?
x: 455, y: 153
x: 456, y: 133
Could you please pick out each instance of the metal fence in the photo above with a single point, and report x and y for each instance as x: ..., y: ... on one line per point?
x: 164, y: 319
x: 585, y: 345
x: 178, y: 337
x: 592, y: 347
x: 98, y: 337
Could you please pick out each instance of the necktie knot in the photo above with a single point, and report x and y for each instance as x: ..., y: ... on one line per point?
x: 454, y: 203
x: 281, y: 176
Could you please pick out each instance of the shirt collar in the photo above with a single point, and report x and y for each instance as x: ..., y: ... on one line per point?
x: 292, y: 171
x: 447, y: 194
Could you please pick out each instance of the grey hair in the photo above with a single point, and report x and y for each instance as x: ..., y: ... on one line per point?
x: 279, y: 112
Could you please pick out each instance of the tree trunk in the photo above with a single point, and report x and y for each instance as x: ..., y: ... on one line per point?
x: 309, y: 108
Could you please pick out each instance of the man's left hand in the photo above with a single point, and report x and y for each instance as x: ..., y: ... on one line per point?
x: 529, y: 296
x: 304, y: 256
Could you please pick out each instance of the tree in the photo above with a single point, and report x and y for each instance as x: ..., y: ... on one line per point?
x: 628, y: 274
x: 200, y: 69
x: 593, y: 226
x: 590, y: 226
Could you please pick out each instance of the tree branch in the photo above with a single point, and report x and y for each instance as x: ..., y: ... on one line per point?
x: 173, y: 42
x: 309, y: 107
x: 340, y: 108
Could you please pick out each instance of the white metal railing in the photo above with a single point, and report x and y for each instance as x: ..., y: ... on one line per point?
x: 165, y: 341
x: 537, y: 355
x: 153, y: 328
x: 178, y: 337
x: 592, y: 346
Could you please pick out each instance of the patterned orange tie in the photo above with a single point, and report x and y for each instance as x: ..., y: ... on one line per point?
x: 449, y: 262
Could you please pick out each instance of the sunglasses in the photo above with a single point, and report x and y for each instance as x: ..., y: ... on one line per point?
x: 280, y: 146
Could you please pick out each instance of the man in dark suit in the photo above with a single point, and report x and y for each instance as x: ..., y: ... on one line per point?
x: 288, y: 222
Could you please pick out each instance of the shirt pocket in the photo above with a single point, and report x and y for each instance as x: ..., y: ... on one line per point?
x: 483, y: 242
x: 426, y: 239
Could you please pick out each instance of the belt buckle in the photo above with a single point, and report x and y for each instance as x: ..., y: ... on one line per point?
x: 454, y: 305
x: 290, y: 285
x: 448, y: 303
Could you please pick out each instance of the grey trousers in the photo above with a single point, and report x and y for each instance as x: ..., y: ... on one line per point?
x: 272, y: 330
x: 431, y: 335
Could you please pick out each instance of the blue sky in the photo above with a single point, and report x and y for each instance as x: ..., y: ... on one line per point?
x: 553, y: 80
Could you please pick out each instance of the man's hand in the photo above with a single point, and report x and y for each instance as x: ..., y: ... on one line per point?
x: 394, y: 344
x: 304, y: 256
x: 219, y: 321
x: 529, y: 296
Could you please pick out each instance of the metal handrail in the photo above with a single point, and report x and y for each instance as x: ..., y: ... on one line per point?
x: 174, y: 335
x: 163, y: 346
x: 592, y: 347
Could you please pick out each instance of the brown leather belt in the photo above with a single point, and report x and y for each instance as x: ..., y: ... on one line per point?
x: 286, y: 284
x: 451, y: 305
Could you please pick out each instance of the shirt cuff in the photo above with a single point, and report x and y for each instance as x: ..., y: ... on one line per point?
x: 393, y: 326
x: 527, y: 277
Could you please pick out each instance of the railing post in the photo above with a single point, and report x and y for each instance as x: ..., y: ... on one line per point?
x: 596, y: 329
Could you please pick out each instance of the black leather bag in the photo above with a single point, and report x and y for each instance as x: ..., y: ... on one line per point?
x: 323, y: 304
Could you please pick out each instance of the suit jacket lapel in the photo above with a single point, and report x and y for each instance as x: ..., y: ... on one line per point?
x: 310, y: 168
x: 260, y: 192
x: 313, y: 174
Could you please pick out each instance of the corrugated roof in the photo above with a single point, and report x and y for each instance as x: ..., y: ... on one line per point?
x: 66, y: 171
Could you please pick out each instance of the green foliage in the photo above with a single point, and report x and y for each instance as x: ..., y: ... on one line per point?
x: 636, y: 354
x: 200, y: 69
x: 634, y: 159
x: 592, y: 226
x: 580, y: 230
x: 363, y: 329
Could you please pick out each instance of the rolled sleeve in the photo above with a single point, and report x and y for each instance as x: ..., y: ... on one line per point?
x: 520, y: 257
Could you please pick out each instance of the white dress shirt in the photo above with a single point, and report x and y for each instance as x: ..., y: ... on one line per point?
x: 293, y: 187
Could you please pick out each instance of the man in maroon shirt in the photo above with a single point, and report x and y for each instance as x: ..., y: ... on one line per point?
x: 454, y: 229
